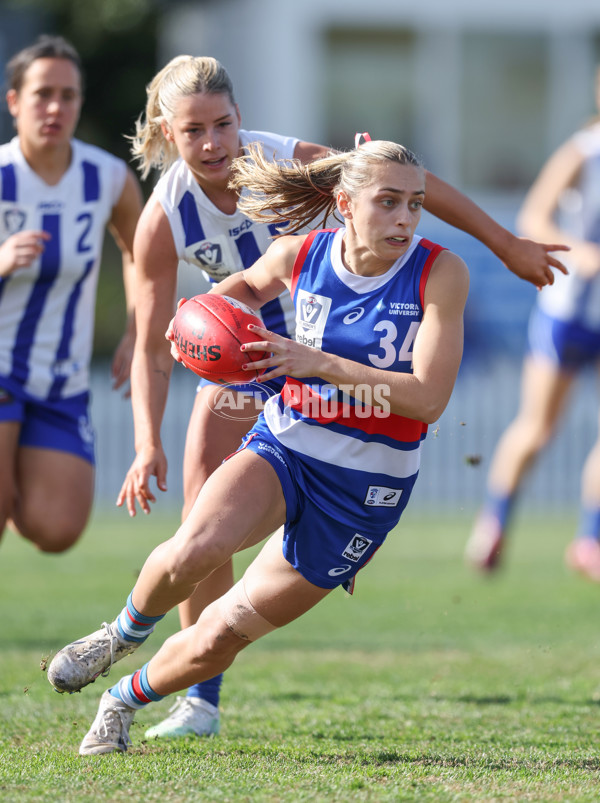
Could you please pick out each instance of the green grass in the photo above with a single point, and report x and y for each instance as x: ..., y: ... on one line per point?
x: 430, y: 684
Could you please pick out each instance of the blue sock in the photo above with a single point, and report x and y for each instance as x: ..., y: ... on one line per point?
x: 135, y: 691
x: 133, y: 625
x: 500, y: 507
x: 589, y: 523
x: 208, y: 690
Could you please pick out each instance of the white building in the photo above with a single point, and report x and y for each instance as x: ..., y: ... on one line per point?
x: 482, y: 90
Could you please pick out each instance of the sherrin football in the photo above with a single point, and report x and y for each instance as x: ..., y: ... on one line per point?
x: 209, y: 330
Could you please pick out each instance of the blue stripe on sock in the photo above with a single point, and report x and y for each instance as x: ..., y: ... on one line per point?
x: 133, y: 625
x: 135, y: 691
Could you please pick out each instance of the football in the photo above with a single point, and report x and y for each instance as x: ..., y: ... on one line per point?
x: 209, y: 330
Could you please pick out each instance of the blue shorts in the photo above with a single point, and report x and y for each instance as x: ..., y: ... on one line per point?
x: 567, y: 344
x: 63, y: 424
x: 326, y: 551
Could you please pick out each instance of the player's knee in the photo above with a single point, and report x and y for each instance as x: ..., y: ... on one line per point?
x: 189, y: 561
x: 51, y: 536
x: 239, y: 615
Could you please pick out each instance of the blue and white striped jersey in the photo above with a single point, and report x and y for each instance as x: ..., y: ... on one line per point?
x: 218, y: 243
x: 573, y: 298
x: 47, y: 309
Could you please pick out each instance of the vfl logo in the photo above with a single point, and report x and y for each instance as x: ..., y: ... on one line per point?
x: 14, y: 220
x: 354, y: 315
x: 310, y: 309
x: 379, y: 496
x: 356, y: 548
x: 209, y: 254
x: 338, y: 570
x: 86, y: 431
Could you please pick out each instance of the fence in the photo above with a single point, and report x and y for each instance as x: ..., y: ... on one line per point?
x: 456, y: 453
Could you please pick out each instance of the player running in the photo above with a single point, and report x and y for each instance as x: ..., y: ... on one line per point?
x: 57, y: 197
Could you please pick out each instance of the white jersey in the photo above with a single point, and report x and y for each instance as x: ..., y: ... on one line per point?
x: 573, y: 298
x: 218, y: 243
x: 47, y: 309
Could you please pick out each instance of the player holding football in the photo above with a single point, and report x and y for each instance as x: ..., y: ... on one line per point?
x: 337, y: 484
x: 57, y: 197
x: 191, y: 133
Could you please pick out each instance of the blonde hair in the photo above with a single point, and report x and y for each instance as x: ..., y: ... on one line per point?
x: 294, y: 194
x: 181, y: 77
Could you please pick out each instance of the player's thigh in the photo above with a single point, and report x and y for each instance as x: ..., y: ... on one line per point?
x: 9, y: 444
x: 544, y: 391
x: 56, y: 491
x: 277, y: 591
x: 215, y: 431
x: 241, y: 503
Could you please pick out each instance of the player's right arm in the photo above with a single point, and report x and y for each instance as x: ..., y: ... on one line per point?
x: 537, y: 217
x: 156, y: 264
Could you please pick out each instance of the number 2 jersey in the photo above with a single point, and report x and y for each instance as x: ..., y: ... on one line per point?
x: 218, y: 243
x: 360, y: 461
x: 47, y: 309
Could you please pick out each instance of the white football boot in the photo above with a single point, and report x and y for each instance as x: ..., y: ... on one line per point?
x: 110, y: 729
x: 82, y: 661
x: 190, y: 716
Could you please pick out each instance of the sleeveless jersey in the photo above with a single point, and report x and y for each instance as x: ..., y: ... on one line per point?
x: 572, y: 298
x: 47, y: 309
x: 360, y: 458
x: 218, y: 243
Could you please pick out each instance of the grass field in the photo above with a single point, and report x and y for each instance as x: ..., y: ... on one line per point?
x: 430, y: 684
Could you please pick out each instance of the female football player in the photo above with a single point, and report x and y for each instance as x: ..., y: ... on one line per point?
x: 57, y: 197
x: 338, y: 483
x: 191, y: 132
x: 564, y: 339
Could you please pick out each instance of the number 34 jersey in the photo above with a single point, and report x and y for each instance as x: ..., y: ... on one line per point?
x: 356, y: 449
x: 47, y: 309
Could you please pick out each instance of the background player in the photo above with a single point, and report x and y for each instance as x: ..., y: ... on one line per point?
x: 284, y: 474
x: 564, y: 338
x: 191, y: 131
x: 57, y: 196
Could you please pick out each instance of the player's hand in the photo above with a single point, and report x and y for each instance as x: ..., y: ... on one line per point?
x: 20, y: 250
x: 533, y: 261
x: 121, y: 363
x: 136, y: 486
x: 288, y: 358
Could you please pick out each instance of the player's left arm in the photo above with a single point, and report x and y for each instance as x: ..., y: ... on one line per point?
x: 122, y: 223
x: 527, y: 259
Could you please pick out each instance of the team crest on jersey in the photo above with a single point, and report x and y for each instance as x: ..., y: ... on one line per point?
x: 312, y: 311
x: 379, y: 496
x: 356, y: 548
x: 213, y: 256
x: 209, y: 254
x: 14, y: 220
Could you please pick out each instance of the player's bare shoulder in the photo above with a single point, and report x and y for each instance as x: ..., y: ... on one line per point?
x: 281, y: 255
x: 448, y: 279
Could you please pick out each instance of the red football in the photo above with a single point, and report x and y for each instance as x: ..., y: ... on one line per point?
x: 209, y: 330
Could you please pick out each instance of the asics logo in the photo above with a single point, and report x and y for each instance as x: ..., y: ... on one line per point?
x: 354, y: 316
x: 338, y: 570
